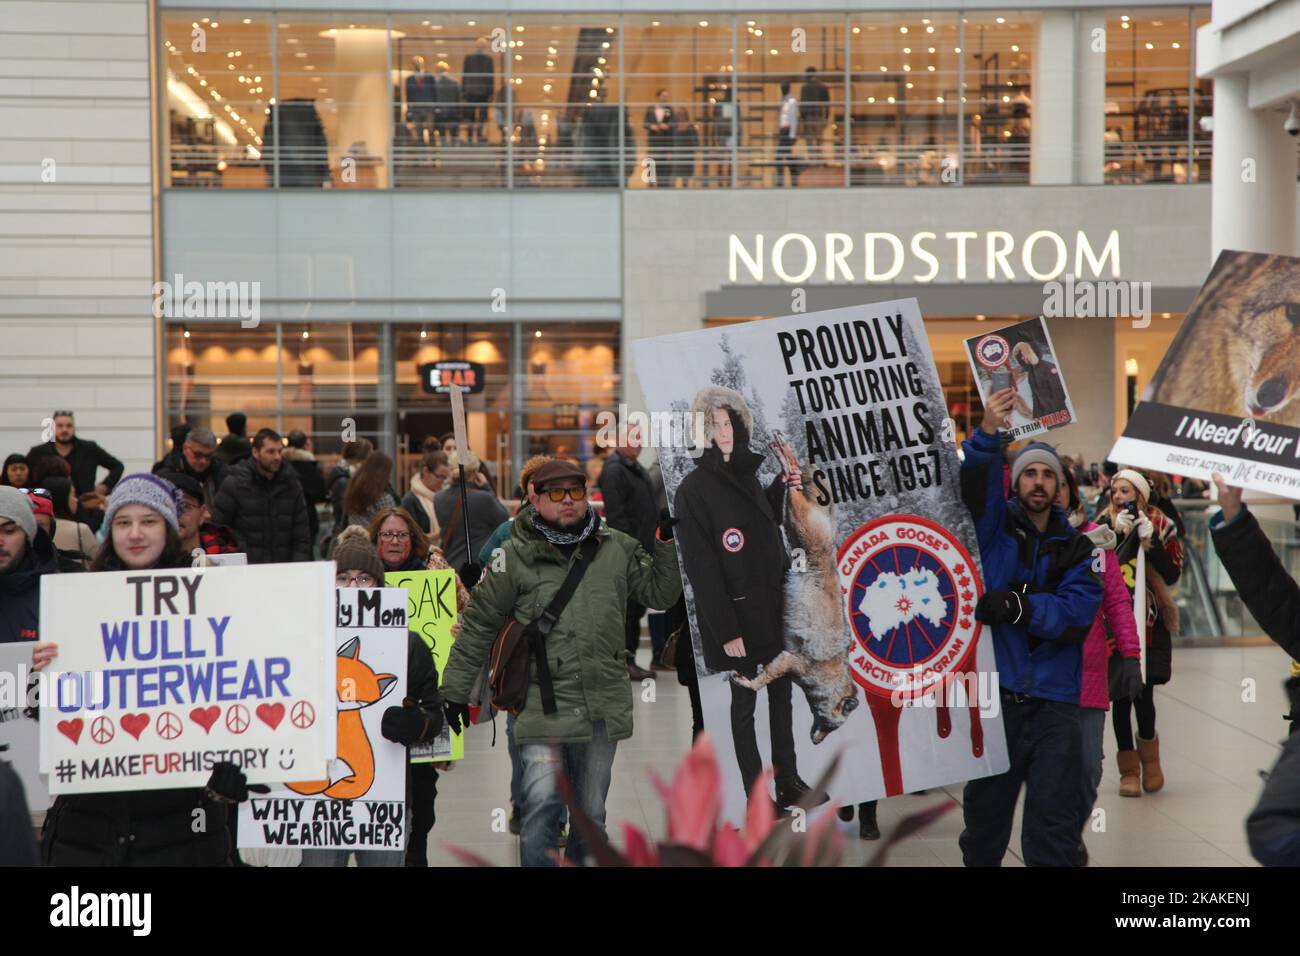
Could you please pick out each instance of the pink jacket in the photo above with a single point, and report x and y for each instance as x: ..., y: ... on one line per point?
x: 1117, y: 611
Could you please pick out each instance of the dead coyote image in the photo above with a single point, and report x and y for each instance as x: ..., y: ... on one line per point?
x: 816, y: 636
x: 1238, y: 351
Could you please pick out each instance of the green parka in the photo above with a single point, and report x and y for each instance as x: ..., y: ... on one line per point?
x: 585, y: 649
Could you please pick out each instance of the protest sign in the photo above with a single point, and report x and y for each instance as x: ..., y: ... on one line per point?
x: 859, y: 586
x: 431, y: 607
x: 1021, y: 356
x: 161, y: 674
x: 360, y: 804
x: 19, y: 732
x: 1223, y: 398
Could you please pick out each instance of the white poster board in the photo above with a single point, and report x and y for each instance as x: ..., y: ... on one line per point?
x: 19, y: 732
x: 162, y: 674
x: 361, y: 803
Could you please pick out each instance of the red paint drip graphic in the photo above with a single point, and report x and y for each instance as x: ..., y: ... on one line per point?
x: 973, y: 701
x: 885, y: 715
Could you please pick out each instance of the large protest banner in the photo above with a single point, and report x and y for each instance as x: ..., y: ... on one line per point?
x: 431, y: 606
x: 19, y: 733
x: 161, y: 674
x: 360, y: 803
x: 860, y: 587
x: 1021, y: 356
x: 1224, y: 397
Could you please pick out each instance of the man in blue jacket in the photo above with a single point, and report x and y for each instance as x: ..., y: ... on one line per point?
x: 1040, y: 597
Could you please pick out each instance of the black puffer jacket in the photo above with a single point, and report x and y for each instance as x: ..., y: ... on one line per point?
x: 729, y: 537
x: 268, y: 515
x: 20, y: 591
x: 629, y: 498
x: 136, y: 828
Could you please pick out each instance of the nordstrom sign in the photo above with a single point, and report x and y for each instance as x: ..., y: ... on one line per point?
x: 993, y: 256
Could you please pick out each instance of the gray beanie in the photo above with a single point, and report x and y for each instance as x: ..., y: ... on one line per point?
x: 1036, y: 453
x: 148, y: 490
x: 15, y: 507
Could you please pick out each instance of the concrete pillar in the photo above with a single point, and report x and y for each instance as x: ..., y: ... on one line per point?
x: 1090, y: 98
x: 1051, y: 115
x: 1253, y: 198
x: 360, y: 88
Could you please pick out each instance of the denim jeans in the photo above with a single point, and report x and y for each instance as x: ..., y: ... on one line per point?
x: 588, y: 767
x: 1092, y: 722
x: 364, y: 857
x: 1045, y: 746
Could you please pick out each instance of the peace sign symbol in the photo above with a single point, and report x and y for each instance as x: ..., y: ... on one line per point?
x: 302, y: 714
x: 101, y: 730
x: 168, y: 725
x: 237, y: 718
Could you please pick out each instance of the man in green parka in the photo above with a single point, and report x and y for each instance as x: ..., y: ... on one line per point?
x: 584, y: 650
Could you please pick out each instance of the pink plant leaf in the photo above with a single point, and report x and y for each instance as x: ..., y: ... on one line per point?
x: 760, y: 816
x: 638, y: 850
x: 695, y: 798
x: 466, y: 857
x: 824, y: 843
x: 729, y: 848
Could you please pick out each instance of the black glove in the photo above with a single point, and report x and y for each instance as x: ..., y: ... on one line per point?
x: 1129, y: 684
x: 1000, y: 607
x: 666, y: 522
x: 470, y: 573
x: 405, y: 724
x: 1293, y: 694
x: 457, y: 716
x: 229, y: 785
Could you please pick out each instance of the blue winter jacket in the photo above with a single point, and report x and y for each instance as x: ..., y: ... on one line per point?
x: 1042, y: 655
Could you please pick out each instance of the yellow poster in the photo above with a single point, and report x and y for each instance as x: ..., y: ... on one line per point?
x: 431, y: 611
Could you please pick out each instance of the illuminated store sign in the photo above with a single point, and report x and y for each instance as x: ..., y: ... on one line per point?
x: 968, y: 256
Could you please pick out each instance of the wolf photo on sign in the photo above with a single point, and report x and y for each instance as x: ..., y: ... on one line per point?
x: 843, y: 412
x: 1021, y: 356
x: 1224, y: 398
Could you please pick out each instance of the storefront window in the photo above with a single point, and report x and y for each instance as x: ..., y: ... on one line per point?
x: 1153, y: 132
x: 330, y: 125
x: 566, y: 124
x: 998, y: 52
x: 423, y: 415
x: 905, y: 99
x: 790, y: 94
x: 569, y: 375
x: 449, y: 87
x: 218, y: 85
x: 678, y: 88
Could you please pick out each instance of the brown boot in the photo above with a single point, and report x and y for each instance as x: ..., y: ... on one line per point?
x: 1153, y: 778
x: 1130, y: 784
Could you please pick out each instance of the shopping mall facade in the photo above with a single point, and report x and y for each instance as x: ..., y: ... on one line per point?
x: 506, y: 186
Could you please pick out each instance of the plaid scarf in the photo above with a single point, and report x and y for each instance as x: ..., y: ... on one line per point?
x: 557, y: 535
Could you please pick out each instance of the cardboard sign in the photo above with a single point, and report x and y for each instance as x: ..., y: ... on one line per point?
x: 1021, y: 356
x: 19, y: 732
x: 162, y: 674
x: 857, y: 588
x: 1226, y: 397
x: 431, y: 607
x: 360, y: 804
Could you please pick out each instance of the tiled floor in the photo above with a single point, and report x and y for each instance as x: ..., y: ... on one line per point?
x: 1220, y: 723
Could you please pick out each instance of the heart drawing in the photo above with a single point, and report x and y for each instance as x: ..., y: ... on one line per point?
x: 270, y: 714
x: 205, y: 717
x: 72, y: 729
x: 134, y: 724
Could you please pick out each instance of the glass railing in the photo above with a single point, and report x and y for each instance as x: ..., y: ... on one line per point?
x: 1210, y: 609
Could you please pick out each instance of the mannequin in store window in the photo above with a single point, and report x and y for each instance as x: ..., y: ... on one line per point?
x: 421, y: 101
x: 660, y: 126
x: 478, y: 77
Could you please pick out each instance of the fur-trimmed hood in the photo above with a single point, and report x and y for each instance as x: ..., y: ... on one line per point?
x: 716, y: 396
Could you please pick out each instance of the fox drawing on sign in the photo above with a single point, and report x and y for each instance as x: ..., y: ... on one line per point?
x: 352, y: 773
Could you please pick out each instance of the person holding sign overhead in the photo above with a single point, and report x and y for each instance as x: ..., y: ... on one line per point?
x: 141, y: 827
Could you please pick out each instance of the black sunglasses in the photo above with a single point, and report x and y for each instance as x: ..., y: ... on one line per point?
x: 39, y: 492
